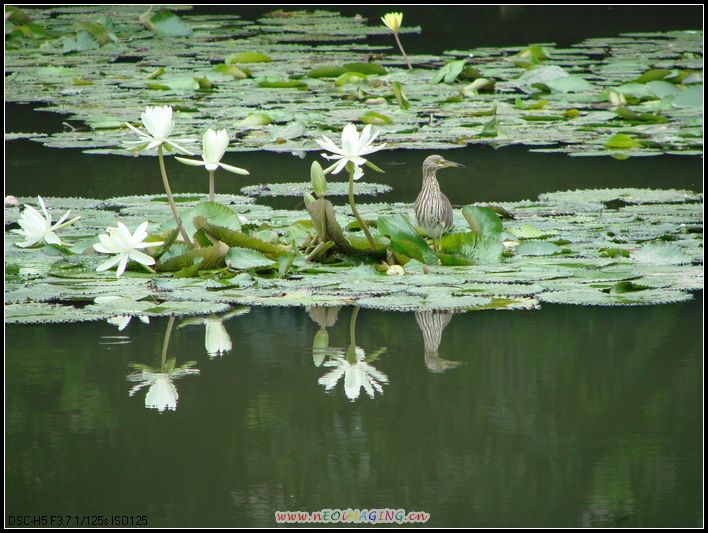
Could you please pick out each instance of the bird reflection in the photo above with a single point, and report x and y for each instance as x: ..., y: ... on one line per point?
x: 354, y: 365
x: 162, y: 392
x: 432, y: 324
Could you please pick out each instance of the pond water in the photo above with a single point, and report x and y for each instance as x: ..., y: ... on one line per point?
x: 567, y: 416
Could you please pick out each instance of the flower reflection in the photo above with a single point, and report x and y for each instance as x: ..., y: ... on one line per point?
x: 122, y: 321
x: 357, y: 374
x: 162, y: 393
x: 216, y: 339
x: 432, y: 324
x: 351, y: 364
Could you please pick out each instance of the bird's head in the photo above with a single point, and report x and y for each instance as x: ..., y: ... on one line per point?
x: 435, y: 162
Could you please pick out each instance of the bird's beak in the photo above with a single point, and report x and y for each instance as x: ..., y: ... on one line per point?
x: 447, y: 163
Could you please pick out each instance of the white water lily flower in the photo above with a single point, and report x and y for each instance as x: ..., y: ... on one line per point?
x: 125, y: 246
x: 162, y: 394
x: 37, y: 228
x: 158, y: 121
x: 216, y: 340
x: 354, y: 147
x: 393, y: 21
x: 214, y: 144
x: 356, y: 375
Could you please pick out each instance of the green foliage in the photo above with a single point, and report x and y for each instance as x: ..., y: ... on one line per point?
x: 166, y: 24
x: 449, y: 72
x: 247, y: 57
x: 405, y: 240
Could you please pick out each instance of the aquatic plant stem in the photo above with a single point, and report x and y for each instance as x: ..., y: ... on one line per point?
x: 362, y: 224
x: 166, y: 340
x: 211, y: 185
x: 352, y: 326
x: 148, y: 269
x: 403, y: 52
x: 170, y: 198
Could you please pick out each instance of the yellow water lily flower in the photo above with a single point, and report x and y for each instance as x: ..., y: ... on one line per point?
x: 393, y: 21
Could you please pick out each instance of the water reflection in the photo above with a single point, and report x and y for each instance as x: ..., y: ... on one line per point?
x: 564, y: 417
x: 122, y: 321
x: 162, y: 393
x: 217, y: 340
x: 324, y: 317
x: 432, y: 324
x: 352, y: 364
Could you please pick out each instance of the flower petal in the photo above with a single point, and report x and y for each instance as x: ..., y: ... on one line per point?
x: 214, y: 145
x: 108, y: 264
x: 193, y: 162
x: 235, y: 170
x: 140, y: 257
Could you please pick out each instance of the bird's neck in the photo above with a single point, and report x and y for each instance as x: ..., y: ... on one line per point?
x: 431, y: 182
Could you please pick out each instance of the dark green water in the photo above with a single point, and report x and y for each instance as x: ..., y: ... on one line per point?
x: 566, y: 416
x: 562, y: 417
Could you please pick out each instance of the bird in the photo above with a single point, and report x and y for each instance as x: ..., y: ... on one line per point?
x: 433, y: 210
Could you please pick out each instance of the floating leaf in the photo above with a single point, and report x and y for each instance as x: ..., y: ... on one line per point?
x: 247, y: 57
x: 365, y: 68
x: 537, y: 248
x: 232, y: 70
x: 349, y: 77
x: 621, y: 141
x: 661, y: 253
x: 254, y: 120
x: 372, y: 117
x: 335, y: 188
x: 692, y: 97
x: 277, y: 83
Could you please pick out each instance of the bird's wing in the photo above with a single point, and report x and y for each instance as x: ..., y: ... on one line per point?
x: 447, y: 216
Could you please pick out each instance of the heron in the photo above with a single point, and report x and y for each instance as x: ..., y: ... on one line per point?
x: 433, y: 210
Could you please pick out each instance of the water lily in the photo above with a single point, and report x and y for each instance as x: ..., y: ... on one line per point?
x: 162, y: 393
x: 36, y: 228
x: 125, y: 246
x: 354, y: 147
x: 158, y: 122
x: 616, y: 98
x: 393, y: 22
x: 357, y: 374
x: 351, y: 156
x: 214, y: 144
